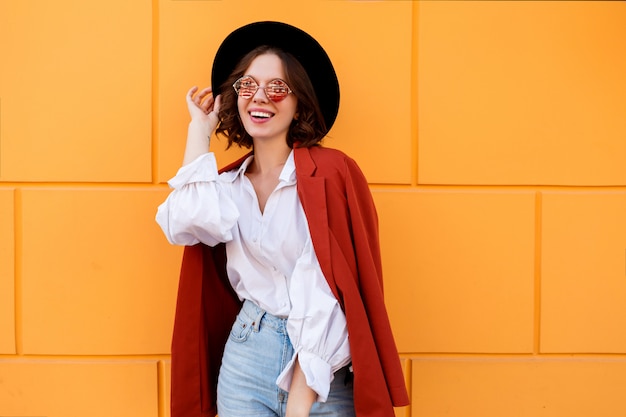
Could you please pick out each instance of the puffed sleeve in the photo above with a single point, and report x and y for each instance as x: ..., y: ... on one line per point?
x: 199, y: 209
x: 316, y: 326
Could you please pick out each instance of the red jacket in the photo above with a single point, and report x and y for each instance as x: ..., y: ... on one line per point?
x: 344, y: 230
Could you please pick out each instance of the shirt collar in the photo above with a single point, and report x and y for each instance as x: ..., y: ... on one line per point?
x: 288, y: 174
x: 244, y: 165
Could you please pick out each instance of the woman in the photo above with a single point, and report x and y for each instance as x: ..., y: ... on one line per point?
x: 284, y: 243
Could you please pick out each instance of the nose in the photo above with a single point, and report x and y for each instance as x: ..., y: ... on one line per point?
x: 260, y: 94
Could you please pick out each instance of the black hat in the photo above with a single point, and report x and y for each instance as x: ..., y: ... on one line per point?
x: 290, y: 39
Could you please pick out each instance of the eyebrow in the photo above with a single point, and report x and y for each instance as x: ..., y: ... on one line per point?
x: 269, y: 81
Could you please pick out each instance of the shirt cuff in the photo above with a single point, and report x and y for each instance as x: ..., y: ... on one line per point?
x: 318, y: 374
x: 201, y: 169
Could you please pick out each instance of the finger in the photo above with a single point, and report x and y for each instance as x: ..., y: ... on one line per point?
x: 216, y: 107
x: 218, y: 103
x: 202, y: 95
x: 207, y: 103
x: 206, y: 98
x: 191, y: 92
x: 206, y: 91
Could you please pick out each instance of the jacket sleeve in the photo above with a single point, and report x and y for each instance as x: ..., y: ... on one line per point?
x: 344, y: 229
x: 364, y: 225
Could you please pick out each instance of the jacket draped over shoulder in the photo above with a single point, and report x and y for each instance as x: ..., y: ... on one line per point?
x: 344, y: 229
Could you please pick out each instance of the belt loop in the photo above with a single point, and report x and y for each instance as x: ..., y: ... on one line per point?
x: 257, y: 321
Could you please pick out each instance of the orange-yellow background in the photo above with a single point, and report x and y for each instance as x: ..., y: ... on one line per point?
x: 494, y: 138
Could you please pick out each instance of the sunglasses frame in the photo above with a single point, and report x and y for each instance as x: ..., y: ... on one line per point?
x: 237, y: 87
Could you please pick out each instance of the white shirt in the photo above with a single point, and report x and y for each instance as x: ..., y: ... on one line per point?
x: 270, y: 258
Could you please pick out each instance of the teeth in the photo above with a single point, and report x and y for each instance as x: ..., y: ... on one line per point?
x: 260, y: 114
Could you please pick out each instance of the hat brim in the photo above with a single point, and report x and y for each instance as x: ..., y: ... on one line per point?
x: 290, y: 39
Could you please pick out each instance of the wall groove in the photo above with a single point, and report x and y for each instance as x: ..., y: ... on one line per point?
x: 155, y: 91
x: 538, y: 254
x: 18, y: 242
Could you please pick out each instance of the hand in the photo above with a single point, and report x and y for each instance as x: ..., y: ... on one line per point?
x: 301, y: 397
x: 204, y: 119
x: 203, y: 107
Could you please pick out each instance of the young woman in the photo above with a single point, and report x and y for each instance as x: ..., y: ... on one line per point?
x: 280, y: 307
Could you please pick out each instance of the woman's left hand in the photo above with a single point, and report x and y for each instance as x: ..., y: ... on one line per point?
x: 203, y: 106
x: 301, y: 397
x: 204, y: 110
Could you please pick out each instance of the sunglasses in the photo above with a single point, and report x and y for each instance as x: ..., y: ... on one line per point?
x: 275, y: 90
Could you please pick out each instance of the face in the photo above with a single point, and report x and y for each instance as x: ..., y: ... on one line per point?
x: 263, y: 118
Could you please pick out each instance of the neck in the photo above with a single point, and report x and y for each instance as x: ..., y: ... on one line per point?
x: 269, y: 155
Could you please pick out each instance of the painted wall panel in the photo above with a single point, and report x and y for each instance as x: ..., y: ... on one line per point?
x: 374, y: 119
x: 98, y: 275
x: 463, y: 261
x: 75, y: 85
x: 506, y: 300
x: 38, y: 387
x: 526, y: 387
x: 167, y: 385
x: 7, y: 272
x: 506, y: 98
x: 583, y: 272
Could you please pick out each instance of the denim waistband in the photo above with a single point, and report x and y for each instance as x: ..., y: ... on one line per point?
x: 261, y: 317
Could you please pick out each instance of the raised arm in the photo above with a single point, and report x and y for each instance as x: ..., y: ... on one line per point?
x: 203, y: 109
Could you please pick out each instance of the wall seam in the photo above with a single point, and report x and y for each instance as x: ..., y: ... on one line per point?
x: 502, y: 187
x: 409, y: 382
x: 161, y: 406
x: 514, y: 357
x: 17, y: 270
x: 155, y: 92
x: 537, y: 278
x: 1, y: 139
x: 160, y: 367
x: 415, y: 96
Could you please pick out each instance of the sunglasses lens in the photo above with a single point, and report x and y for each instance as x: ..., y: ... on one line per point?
x: 277, y: 90
x: 246, y: 87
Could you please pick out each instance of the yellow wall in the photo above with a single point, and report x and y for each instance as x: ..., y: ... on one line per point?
x: 494, y: 138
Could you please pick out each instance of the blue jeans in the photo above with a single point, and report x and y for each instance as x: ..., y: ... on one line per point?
x: 256, y: 353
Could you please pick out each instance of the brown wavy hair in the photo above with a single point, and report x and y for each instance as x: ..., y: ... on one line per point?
x: 307, y: 130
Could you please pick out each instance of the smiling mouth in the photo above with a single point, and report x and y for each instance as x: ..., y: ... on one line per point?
x: 261, y: 115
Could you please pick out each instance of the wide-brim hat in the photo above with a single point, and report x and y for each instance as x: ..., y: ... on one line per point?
x: 290, y: 39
